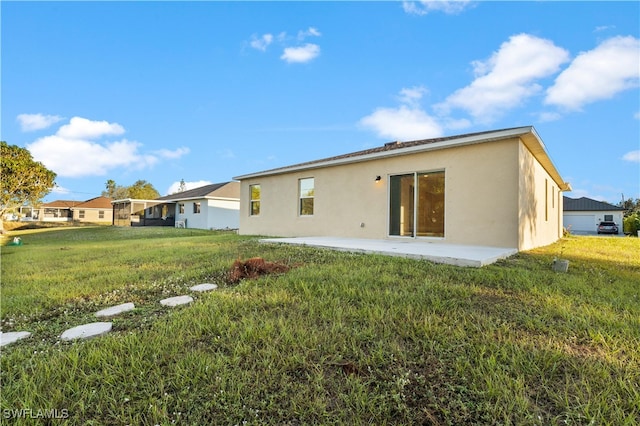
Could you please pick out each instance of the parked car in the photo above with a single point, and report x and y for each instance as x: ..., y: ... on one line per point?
x: 607, y: 228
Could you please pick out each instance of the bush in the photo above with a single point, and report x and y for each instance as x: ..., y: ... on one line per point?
x: 631, y: 224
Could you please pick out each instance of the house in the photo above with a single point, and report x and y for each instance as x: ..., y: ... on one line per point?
x: 496, y: 188
x: 214, y: 206
x: 95, y: 210
x: 584, y: 214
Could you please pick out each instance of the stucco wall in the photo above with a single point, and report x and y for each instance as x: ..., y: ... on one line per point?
x: 93, y: 215
x: 214, y: 214
x: 540, y: 204
x: 481, y: 196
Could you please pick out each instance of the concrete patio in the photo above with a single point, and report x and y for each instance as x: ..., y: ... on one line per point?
x: 451, y: 254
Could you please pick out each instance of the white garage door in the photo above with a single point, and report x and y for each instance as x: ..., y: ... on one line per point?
x: 580, y: 222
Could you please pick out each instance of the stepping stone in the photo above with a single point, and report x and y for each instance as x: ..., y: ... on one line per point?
x: 115, y: 310
x: 204, y: 287
x: 86, y: 331
x: 175, y: 301
x: 12, y: 336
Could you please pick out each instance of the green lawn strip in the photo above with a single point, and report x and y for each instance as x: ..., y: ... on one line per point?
x: 341, y: 339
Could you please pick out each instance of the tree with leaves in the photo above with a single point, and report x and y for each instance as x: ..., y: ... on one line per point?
x: 143, y: 190
x: 24, y: 180
x: 140, y: 190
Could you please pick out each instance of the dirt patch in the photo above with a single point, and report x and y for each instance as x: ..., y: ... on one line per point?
x: 253, y: 268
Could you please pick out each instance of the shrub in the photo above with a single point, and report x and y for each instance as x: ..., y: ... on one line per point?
x: 631, y: 224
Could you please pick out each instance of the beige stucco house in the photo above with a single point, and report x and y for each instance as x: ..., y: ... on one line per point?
x: 496, y: 188
x: 94, y: 210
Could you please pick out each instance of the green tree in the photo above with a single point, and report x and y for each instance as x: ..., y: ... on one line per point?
x: 24, y: 180
x: 143, y: 190
x: 183, y: 186
x: 114, y: 191
x: 630, y: 206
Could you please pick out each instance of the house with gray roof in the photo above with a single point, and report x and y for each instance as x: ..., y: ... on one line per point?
x: 583, y: 215
x: 214, y: 206
x: 496, y: 188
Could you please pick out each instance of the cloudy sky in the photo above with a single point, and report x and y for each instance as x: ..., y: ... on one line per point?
x: 204, y: 91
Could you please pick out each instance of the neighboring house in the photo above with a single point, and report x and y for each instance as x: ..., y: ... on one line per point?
x: 584, y: 214
x: 95, y: 210
x: 54, y: 211
x: 495, y: 188
x: 214, y: 206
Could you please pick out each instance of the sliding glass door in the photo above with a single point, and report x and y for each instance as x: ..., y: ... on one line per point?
x: 416, y: 204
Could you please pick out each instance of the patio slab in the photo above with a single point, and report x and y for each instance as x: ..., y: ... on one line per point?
x: 115, y: 310
x: 86, y: 331
x: 204, y: 287
x: 12, y: 336
x: 176, y: 301
x: 451, y: 254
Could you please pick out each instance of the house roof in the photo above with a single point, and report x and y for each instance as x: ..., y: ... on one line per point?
x: 61, y: 204
x: 527, y: 134
x: 95, y: 203
x: 587, y: 204
x: 215, y: 190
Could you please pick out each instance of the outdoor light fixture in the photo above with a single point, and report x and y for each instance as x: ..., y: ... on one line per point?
x: 378, y: 178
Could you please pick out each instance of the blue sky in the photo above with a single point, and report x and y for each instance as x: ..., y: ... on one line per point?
x: 204, y: 91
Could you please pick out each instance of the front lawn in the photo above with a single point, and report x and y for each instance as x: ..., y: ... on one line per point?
x: 339, y: 339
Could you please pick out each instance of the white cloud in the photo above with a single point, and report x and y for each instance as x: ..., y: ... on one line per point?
x: 507, y: 78
x: 424, y: 7
x: 311, y: 32
x: 172, y: 154
x: 60, y: 190
x: 261, y: 43
x: 407, y: 122
x: 403, y: 123
x: 633, y: 156
x: 412, y: 95
x: 82, y: 128
x: 32, y: 122
x: 78, y: 150
x: 175, y: 186
x: 601, y: 73
x: 301, y: 54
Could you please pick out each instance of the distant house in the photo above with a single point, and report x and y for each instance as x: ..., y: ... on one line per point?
x: 496, y: 188
x: 54, y: 211
x: 214, y: 206
x: 95, y: 210
x: 584, y: 214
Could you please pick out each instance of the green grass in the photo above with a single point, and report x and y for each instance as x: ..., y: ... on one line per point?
x: 339, y: 339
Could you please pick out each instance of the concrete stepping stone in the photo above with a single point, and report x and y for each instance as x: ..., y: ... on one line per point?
x: 86, y: 331
x: 115, y: 310
x: 203, y: 287
x: 12, y: 336
x: 175, y: 301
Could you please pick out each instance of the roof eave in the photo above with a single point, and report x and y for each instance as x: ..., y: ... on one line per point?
x: 465, y: 140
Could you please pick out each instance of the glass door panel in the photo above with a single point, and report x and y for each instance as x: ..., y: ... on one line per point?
x: 430, y: 211
x: 401, y: 205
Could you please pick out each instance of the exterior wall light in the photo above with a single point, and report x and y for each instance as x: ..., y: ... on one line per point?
x: 378, y: 178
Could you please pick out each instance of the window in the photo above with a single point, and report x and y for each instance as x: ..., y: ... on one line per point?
x: 307, y: 193
x: 608, y: 218
x: 254, y: 209
x: 546, y: 200
x: 100, y: 214
x: 181, y: 208
x: 196, y: 208
x: 81, y: 214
